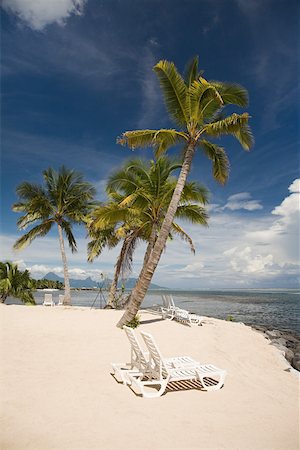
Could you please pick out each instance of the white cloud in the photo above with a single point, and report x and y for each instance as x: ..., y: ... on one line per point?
x: 37, y: 14
x: 245, y: 261
x: 151, y: 96
x: 283, y: 233
x: 242, y: 201
x: 192, y: 270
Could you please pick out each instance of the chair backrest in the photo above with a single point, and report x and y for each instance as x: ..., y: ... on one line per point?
x: 171, y: 301
x: 48, y: 298
x: 61, y: 298
x: 137, y: 353
x: 155, y: 354
x: 165, y: 301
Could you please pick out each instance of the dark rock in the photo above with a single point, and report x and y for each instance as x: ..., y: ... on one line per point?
x: 279, y: 341
x: 259, y: 328
x: 274, y: 334
x: 297, y: 348
x: 289, y: 355
x: 296, y: 362
x: 282, y: 348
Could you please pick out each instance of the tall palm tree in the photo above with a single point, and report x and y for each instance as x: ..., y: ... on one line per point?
x: 140, y: 194
x: 196, y: 106
x: 64, y: 200
x: 15, y: 283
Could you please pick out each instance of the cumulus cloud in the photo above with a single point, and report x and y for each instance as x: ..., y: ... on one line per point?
x: 283, y: 232
x: 37, y: 14
x: 192, y: 270
x: 243, y: 200
x: 246, y: 261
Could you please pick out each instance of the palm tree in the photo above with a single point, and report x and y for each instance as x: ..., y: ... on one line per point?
x: 64, y: 200
x: 196, y: 106
x: 140, y: 194
x: 15, y: 283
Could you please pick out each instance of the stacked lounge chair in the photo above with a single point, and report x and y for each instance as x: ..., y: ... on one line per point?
x: 150, y: 370
x: 170, y: 311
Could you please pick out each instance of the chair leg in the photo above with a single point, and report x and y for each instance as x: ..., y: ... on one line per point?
x: 215, y: 387
x: 136, y: 382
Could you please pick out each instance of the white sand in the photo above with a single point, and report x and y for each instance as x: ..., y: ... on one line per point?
x: 57, y: 391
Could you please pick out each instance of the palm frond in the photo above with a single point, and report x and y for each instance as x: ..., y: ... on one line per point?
x: 219, y: 159
x: 100, y: 240
x: 191, y: 71
x: 183, y: 235
x: 195, y: 192
x: 39, y: 230
x: 235, y: 124
x: 192, y: 213
x: 174, y: 91
x: 161, y: 140
x: 232, y: 93
x: 67, y: 228
x: 200, y: 95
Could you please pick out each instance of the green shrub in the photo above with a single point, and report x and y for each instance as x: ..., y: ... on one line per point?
x: 135, y: 322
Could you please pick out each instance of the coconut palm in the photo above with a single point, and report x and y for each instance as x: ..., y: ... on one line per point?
x: 140, y: 194
x: 64, y: 200
x: 15, y: 283
x: 197, y: 108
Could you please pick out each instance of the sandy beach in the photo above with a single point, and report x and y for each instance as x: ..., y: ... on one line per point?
x: 57, y: 391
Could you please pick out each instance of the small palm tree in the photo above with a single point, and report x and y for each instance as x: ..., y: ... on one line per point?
x: 15, y: 283
x: 64, y: 200
x: 196, y: 106
x: 140, y: 194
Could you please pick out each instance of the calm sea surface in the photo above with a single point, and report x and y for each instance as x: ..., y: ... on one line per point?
x: 274, y: 309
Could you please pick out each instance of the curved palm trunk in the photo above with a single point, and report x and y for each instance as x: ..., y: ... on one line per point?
x: 67, y: 296
x: 148, y: 269
x: 151, y: 243
x: 114, y: 285
x: 149, y: 249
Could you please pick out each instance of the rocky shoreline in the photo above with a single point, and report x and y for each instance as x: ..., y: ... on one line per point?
x: 286, y: 341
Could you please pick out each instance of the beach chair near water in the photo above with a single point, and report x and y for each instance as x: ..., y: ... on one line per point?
x: 60, y: 300
x: 160, y: 374
x: 140, y: 361
x: 171, y: 311
x: 48, y: 301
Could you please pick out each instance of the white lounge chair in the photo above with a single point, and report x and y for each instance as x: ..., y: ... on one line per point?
x: 60, y: 300
x: 171, y: 311
x: 48, y: 301
x: 140, y: 361
x: 161, y: 375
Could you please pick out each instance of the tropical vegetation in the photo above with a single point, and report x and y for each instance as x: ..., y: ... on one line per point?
x: 139, y: 196
x: 15, y: 283
x: 47, y: 284
x: 197, y: 107
x: 64, y: 200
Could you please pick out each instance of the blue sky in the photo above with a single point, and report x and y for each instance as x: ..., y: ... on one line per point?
x: 76, y: 74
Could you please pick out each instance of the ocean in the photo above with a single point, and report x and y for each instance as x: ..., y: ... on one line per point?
x: 275, y: 309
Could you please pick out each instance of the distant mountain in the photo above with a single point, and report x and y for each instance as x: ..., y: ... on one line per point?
x: 89, y: 283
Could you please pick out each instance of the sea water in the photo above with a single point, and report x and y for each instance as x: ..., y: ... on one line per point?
x: 278, y: 309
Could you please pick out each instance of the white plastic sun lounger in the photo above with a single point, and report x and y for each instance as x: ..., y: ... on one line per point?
x: 60, y: 300
x: 161, y: 374
x: 140, y: 361
x: 171, y: 311
x: 48, y: 300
